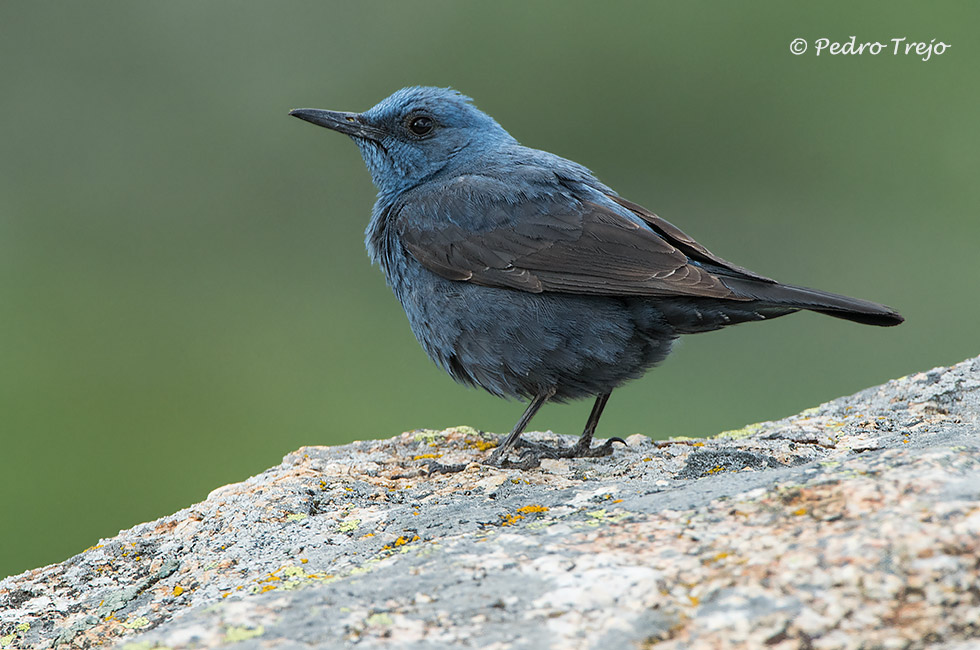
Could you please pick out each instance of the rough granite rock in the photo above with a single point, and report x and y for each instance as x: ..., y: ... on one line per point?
x: 854, y: 524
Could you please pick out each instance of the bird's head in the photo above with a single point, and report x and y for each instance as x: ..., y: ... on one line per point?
x: 413, y: 134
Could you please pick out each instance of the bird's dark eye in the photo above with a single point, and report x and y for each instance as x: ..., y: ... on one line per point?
x: 420, y: 124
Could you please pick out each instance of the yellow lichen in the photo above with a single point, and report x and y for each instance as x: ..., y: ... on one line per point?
x: 427, y: 435
x: 479, y: 443
x: 178, y: 590
x: 349, y: 525
x: 744, y: 432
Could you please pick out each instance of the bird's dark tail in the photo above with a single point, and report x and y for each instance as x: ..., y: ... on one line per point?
x: 832, y: 304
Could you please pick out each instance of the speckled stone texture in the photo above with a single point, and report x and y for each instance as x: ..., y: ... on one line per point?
x: 852, y: 525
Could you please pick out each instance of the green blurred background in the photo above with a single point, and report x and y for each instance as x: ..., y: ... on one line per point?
x: 184, y: 293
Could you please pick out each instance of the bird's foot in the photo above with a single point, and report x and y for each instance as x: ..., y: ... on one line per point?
x: 538, y: 447
x: 587, y: 451
x: 534, y: 452
x: 529, y: 460
x: 435, y: 467
x: 577, y: 450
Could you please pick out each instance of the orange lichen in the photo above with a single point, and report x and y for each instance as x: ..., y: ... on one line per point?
x: 510, y: 520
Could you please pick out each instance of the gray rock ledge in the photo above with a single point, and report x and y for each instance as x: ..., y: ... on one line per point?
x: 854, y: 524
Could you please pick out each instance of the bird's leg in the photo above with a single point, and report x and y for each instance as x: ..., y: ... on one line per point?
x: 497, y: 457
x: 583, y: 448
x: 531, y: 458
x: 584, y: 442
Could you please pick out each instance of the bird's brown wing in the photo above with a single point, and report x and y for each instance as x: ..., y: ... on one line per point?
x: 683, y: 242
x: 553, y: 243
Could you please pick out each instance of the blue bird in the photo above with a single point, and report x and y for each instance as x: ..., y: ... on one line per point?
x: 522, y: 273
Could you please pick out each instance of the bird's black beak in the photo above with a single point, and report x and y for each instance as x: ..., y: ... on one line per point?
x: 353, y: 124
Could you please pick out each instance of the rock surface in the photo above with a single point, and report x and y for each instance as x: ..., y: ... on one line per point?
x: 854, y: 524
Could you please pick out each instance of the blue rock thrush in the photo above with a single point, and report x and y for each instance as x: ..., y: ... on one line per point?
x: 522, y: 273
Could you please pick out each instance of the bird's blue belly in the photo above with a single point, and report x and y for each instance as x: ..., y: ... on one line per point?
x: 514, y: 343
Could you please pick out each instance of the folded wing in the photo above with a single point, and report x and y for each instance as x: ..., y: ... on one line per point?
x: 551, y: 242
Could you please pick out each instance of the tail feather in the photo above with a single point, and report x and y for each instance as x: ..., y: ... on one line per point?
x: 824, y: 302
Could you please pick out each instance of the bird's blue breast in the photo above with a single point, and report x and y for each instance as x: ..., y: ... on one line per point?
x: 513, y: 343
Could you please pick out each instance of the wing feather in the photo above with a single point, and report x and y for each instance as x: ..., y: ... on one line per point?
x: 552, y: 242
